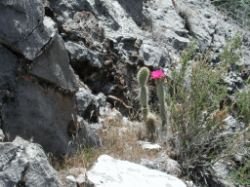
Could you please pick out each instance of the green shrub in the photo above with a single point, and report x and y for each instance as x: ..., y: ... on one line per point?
x: 201, y: 99
x: 197, y: 119
x: 241, y: 175
x: 176, y: 87
x: 192, y: 108
x: 243, y: 105
x: 231, y: 53
x: 204, y: 94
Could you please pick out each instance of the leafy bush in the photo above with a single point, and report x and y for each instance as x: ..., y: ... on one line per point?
x: 203, y: 95
x: 243, y: 105
x: 231, y: 53
x: 241, y: 175
x: 192, y: 108
x: 196, y: 91
x: 200, y: 102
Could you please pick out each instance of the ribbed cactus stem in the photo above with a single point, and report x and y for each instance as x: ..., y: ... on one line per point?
x: 142, y: 77
x: 144, y: 101
x: 161, y: 96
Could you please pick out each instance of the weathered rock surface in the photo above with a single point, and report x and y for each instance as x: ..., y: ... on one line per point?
x: 8, y: 70
x: 37, y: 84
x: 114, y: 38
x: 233, y: 81
x: 149, y: 146
x: 2, y: 136
x: 25, y: 164
x: 33, y: 108
x: 81, y: 54
x: 22, y: 27
x: 73, y: 177
x: 53, y: 66
x: 109, y: 172
x: 221, y: 172
x: 163, y: 163
x: 36, y: 113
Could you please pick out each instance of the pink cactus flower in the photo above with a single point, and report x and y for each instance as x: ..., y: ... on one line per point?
x: 157, y: 74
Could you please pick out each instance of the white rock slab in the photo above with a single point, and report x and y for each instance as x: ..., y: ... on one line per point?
x: 149, y: 145
x: 110, y: 172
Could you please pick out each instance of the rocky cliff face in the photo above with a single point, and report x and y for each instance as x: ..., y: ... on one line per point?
x: 51, y: 48
x: 37, y: 82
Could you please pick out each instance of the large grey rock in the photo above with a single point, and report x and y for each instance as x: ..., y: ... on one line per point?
x: 8, y: 70
x: 231, y: 124
x: 73, y: 177
x: 22, y: 27
x: 84, y: 99
x: 168, y: 29
x: 8, y: 73
x: 153, y: 56
x: 163, y: 163
x: 233, y: 81
x: 134, y: 9
x: 124, y: 21
x: 39, y: 106
x: 77, y: 19
x: 221, y: 172
x: 110, y: 172
x: 25, y: 164
x: 69, y: 8
x: 88, y: 104
x: 41, y: 114
x: 81, y: 54
x: 2, y: 136
x: 37, y: 95
x: 33, y: 106
x: 53, y: 66
x: 212, y: 28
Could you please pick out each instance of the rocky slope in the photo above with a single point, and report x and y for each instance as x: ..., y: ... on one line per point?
x: 61, y: 62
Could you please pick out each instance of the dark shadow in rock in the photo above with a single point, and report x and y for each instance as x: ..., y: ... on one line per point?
x: 49, y: 12
x: 134, y: 9
x: 71, y: 7
x: 102, y: 10
x: 39, y: 113
x: 91, y: 113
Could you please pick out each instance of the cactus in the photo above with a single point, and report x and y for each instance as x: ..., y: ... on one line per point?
x: 142, y: 78
x: 161, y: 97
x: 151, y: 127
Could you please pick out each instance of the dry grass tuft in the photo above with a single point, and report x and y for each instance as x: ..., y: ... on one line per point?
x: 119, y: 139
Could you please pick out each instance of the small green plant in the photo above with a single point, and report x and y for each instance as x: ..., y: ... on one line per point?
x: 243, y: 105
x: 242, y: 174
x: 151, y: 127
x: 176, y: 87
x: 142, y: 78
x: 231, y: 53
x: 191, y: 111
x: 206, y: 90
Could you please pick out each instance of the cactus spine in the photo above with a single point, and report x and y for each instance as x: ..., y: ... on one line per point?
x: 142, y: 77
x: 161, y: 97
x: 151, y: 127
